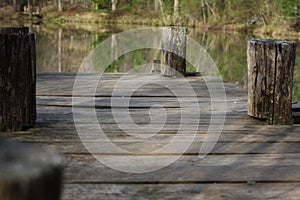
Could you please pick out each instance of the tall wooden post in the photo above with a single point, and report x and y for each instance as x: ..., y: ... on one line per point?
x: 270, y: 79
x: 174, y: 51
x: 17, y: 79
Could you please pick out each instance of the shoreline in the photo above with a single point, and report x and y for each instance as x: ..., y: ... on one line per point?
x: 79, y: 16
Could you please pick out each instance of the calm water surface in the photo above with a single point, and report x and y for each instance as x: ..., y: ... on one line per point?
x: 63, y: 49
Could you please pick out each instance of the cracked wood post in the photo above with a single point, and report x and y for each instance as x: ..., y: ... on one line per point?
x: 270, y: 79
x: 29, y: 172
x: 17, y: 79
x: 174, y: 63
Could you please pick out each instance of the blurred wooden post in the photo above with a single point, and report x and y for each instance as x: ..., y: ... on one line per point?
x: 29, y: 172
x: 17, y: 79
x: 174, y: 51
x: 156, y: 67
x: 270, y: 79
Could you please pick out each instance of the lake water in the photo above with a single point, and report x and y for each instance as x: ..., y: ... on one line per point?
x: 63, y: 49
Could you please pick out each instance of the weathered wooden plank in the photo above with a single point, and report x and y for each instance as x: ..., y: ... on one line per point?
x: 144, y: 147
x: 220, y: 191
x: 205, y: 104
x: 142, y: 120
x: 212, y: 168
x: 67, y: 100
x: 157, y: 92
x: 246, y: 151
x: 141, y: 115
x: 61, y: 134
x: 107, y: 110
x: 109, y: 80
x: 173, y: 128
x: 110, y: 87
x: 176, y: 111
x: 149, y: 85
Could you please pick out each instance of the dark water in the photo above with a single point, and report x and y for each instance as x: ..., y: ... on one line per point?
x: 63, y: 49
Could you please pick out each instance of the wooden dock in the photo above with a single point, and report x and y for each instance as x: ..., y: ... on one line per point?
x: 251, y: 160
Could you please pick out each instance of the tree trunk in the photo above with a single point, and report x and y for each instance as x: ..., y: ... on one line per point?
x: 204, y: 11
x: 59, y: 5
x: 29, y: 172
x: 176, y: 8
x: 270, y: 78
x: 114, y: 5
x: 159, y: 4
x: 17, y: 79
x: 174, y: 51
x: 15, y: 5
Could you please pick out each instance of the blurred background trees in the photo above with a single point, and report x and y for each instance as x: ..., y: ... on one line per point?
x: 206, y: 11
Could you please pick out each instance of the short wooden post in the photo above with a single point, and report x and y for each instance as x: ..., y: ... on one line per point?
x: 174, y: 51
x: 29, y: 172
x: 156, y: 66
x: 17, y: 79
x: 270, y: 78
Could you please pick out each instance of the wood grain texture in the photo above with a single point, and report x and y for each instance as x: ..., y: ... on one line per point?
x: 270, y: 79
x: 17, y: 79
x: 174, y: 51
x: 251, y: 160
x: 187, y: 169
x: 212, y: 191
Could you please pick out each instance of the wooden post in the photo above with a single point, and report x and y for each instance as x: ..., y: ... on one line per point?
x: 17, y: 79
x: 174, y: 63
x: 270, y: 78
x: 156, y: 66
x: 29, y: 172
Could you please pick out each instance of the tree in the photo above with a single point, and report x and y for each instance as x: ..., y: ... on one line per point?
x: 176, y: 8
x: 59, y: 5
x: 289, y: 8
x: 114, y: 5
x: 158, y: 4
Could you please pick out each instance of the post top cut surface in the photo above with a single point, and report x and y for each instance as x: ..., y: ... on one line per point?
x: 271, y: 41
x: 14, y: 30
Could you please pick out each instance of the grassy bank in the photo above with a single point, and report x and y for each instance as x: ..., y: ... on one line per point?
x: 79, y: 16
x: 275, y: 27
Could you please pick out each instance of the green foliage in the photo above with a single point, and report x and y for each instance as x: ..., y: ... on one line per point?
x: 168, y: 6
x: 57, y: 20
x: 193, y: 8
x: 289, y: 8
x: 244, y: 10
x: 102, y: 4
x: 226, y: 11
x: 200, y: 11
